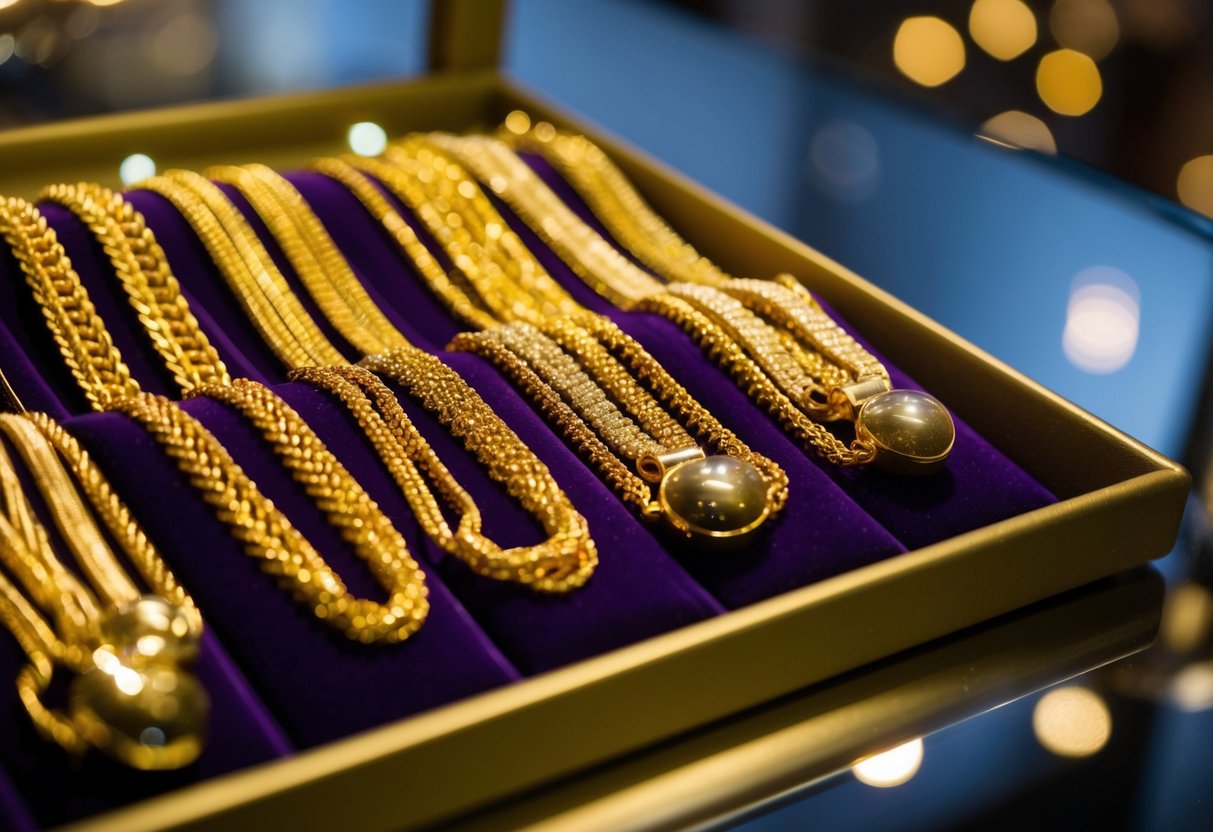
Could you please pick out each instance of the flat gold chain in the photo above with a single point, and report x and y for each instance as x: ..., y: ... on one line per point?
x: 83, y: 341
x: 620, y: 207
x: 247, y: 268
x: 562, y: 562
x: 633, y: 222
x: 142, y: 269
x: 592, y: 258
x: 325, y: 274
x: 50, y: 453
x: 463, y: 302
x: 266, y: 533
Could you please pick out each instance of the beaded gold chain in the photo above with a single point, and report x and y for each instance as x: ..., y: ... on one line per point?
x: 131, y: 697
x: 648, y: 442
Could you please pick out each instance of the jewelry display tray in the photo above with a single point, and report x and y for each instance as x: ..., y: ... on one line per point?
x: 1119, y: 504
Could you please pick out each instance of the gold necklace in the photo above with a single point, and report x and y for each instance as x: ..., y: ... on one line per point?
x: 647, y: 441
x: 266, y: 533
x: 561, y: 563
x: 131, y: 697
x: 903, y: 431
x: 83, y: 341
x: 142, y: 269
x: 248, y: 269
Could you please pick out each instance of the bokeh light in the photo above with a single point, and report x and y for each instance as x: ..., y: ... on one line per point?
x: 136, y: 168
x: 1072, y: 722
x: 1068, y: 82
x: 1020, y: 129
x: 1195, y: 185
x: 890, y: 768
x: 1003, y: 28
x: 1102, y: 320
x: 928, y: 51
x: 1087, y: 26
x: 366, y: 138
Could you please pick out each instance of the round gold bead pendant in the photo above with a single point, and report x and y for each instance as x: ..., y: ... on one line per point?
x: 717, y: 499
x: 912, y: 432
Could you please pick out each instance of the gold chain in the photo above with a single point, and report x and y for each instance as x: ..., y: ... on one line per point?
x: 131, y: 696
x: 613, y: 200
x: 562, y: 562
x: 142, y: 269
x: 82, y: 338
x: 581, y: 372
x: 325, y: 274
x: 248, y: 269
x: 265, y: 531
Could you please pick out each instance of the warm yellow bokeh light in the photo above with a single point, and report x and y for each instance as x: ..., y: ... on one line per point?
x: 517, y: 122
x: 1020, y: 129
x: 928, y: 51
x: 890, y: 768
x: 1004, y: 28
x: 1072, y: 722
x: 1088, y: 26
x: 1195, y: 185
x: 1068, y: 82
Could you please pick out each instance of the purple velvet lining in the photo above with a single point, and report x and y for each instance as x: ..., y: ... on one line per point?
x: 320, y: 685
x: 14, y: 815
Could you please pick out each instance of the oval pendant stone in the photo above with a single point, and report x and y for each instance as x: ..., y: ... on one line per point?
x: 718, y: 497
x: 912, y: 431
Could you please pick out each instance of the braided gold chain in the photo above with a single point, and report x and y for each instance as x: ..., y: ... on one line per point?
x: 83, y: 341
x: 266, y: 533
x: 142, y: 269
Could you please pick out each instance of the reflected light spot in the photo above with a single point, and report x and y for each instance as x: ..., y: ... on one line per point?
x: 1004, y: 28
x: 1102, y: 321
x: 844, y: 161
x: 1192, y: 687
x: 1020, y: 129
x: 4, y: 4
x: 136, y: 168
x: 928, y: 51
x: 890, y: 768
x: 1195, y: 185
x: 517, y: 122
x: 128, y: 681
x: 1187, y: 617
x: 1072, y: 722
x: 366, y: 138
x: 185, y: 45
x: 1068, y: 82
x: 105, y: 2
x: 1089, y: 26
x: 8, y: 45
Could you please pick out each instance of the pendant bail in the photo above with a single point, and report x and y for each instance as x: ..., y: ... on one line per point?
x: 848, y: 399
x: 654, y: 467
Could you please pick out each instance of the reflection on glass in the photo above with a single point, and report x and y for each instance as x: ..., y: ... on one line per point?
x: 1102, y: 321
x: 890, y: 768
x: 1088, y: 26
x: 136, y: 168
x: 928, y: 51
x: 1019, y: 129
x: 1192, y: 687
x: 186, y: 44
x: 1068, y: 82
x: 1187, y: 618
x: 1004, y: 28
x: 844, y: 161
x: 1195, y: 185
x: 1072, y: 722
x: 366, y: 138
